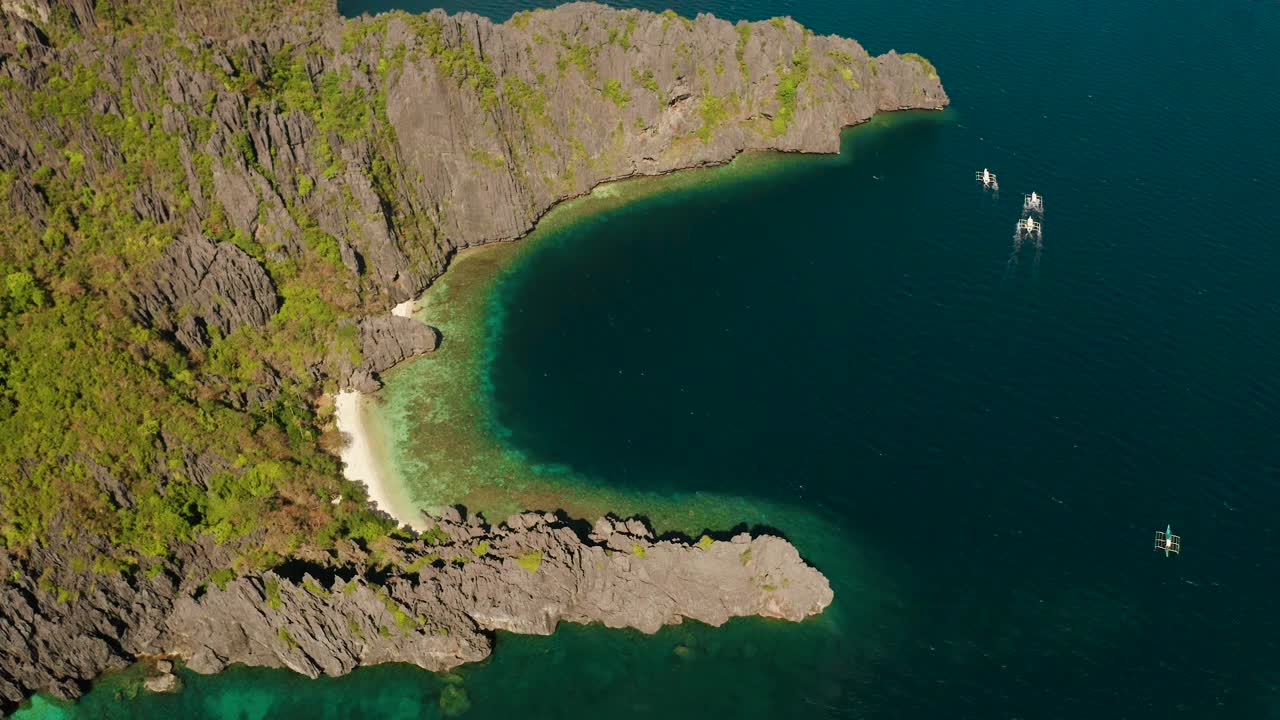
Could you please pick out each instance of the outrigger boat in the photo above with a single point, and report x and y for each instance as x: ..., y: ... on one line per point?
x: 1168, y: 542
x: 988, y: 179
x: 1028, y: 227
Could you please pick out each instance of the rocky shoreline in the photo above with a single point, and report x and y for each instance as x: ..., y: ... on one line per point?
x: 477, y: 129
x: 433, y: 601
x: 524, y: 576
x: 368, y: 152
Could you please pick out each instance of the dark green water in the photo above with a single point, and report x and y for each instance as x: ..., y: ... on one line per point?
x: 1001, y: 441
x: 995, y: 445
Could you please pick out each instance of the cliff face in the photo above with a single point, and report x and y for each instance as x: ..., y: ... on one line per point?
x: 199, y: 286
x: 387, y: 144
x: 584, y: 93
x: 213, y: 209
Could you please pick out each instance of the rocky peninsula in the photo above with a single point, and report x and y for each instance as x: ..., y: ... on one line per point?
x: 452, y: 587
x: 227, y: 200
x: 524, y: 576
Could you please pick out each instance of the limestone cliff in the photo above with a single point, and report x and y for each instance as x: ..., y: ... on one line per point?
x: 386, y: 144
x: 523, y: 577
x: 251, y: 186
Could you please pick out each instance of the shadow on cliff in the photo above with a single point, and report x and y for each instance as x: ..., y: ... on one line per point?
x: 583, y: 529
x: 294, y: 570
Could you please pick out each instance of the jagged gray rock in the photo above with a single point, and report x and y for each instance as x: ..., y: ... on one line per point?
x: 198, y: 285
x: 525, y: 576
x: 57, y: 638
x: 384, y: 341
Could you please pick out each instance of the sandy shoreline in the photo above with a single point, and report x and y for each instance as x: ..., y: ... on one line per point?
x: 362, y: 461
x: 364, y: 456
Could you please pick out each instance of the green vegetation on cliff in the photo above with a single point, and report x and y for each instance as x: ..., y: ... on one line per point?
x: 614, y: 93
x: 530, y: 561
x: 789, y: 88
x: 744, y: 36
x: 713, y: 111
x: 111, y: 429
x: 927, y: 66
x: 463, y: 63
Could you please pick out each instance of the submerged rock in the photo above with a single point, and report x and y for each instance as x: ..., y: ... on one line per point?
x: 454, y: 701
x: 164, y: 683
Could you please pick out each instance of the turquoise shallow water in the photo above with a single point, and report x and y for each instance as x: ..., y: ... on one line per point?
x: 984, y: 450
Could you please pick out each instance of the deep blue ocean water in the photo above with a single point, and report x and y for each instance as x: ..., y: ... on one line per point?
x: 996, y: 443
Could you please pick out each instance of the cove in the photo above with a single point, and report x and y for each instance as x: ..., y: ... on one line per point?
x: 980, y: 455
x: 442, y: 414
x: 969, y: 443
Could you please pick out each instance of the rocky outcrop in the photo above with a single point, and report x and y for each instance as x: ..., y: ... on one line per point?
x: 57, y: 637
x: 384, y: 341
x: 460, y: 582
x: 164, y: 682
x: 525, y: 576
x: 676, y: 93
x: 199, y: 286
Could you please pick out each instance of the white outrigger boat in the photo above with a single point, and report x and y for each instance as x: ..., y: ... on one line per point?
x: 1168, y: 542
x: 1028, y: 227
x: 1033, y: 203
x: 988, y: 179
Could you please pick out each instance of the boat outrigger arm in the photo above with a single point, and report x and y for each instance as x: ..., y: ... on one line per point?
x: 1168, y: 542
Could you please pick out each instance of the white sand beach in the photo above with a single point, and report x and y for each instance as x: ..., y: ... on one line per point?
x: 363, y: 464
